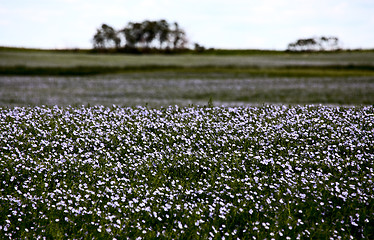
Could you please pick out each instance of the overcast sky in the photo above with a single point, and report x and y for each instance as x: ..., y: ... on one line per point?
x: 260, y: 24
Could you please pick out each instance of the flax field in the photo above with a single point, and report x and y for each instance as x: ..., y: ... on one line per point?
x: 196, y: 172
x: 226, y: 144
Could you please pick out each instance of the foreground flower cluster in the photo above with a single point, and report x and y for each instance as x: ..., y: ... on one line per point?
x: 192, y: 173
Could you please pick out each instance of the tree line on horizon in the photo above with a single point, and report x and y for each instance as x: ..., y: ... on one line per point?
x: 161, y: 36
x: 315, y: 44
x: 136, y: 36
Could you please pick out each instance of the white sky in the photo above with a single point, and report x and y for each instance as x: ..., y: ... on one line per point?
x: 260, y: 24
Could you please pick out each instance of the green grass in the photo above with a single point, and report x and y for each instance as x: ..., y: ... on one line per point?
x: 250, y: 63
x: 282, y: 172
x: 61, y: 59
x: 229, y: 77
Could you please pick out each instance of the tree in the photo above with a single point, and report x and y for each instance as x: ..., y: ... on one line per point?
x: 98, y: 39
x: 329, y: 43
x: 308, y: 44
x: 142, y: 35
x: 133, y: 34
x: 199, y: 48
x: 106, y: 37
x: 315, y: 44
x: 163, y: 31
x: 178, y: 37
x: 149, y: 32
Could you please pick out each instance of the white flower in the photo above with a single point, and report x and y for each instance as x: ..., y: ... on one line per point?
x: 180, y: 225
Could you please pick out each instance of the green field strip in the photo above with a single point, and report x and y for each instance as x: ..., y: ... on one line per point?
x: 283, y: 71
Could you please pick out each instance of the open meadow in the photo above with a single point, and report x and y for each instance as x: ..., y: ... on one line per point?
x: 34, y: 77
x: 261, y: 145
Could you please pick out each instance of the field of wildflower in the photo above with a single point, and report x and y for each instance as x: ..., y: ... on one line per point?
x: 196, y: 172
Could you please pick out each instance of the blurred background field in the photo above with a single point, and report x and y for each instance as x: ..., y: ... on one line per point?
x: 40, y: 77
x: 64, y: 59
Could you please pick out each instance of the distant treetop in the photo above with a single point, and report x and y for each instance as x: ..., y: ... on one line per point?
x: 315, y: 44
x: 141, y: 35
